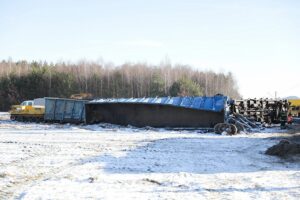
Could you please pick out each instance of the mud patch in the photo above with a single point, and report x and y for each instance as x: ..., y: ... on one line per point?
x: 284, y: 148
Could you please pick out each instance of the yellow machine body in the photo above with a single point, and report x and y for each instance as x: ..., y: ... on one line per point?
x: 27, y: 111
x: 294, y: 107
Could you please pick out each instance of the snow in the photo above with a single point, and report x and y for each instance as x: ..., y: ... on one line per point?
x: 54, y: 161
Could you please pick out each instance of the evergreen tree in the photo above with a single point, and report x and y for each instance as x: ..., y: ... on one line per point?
x: 185, y: 87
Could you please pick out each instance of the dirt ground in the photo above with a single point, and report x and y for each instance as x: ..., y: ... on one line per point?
x: 289, y: 145
x: 293, y: 136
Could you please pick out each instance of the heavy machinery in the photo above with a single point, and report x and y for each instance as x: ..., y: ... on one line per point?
x: 31, y: 110
x: 49, y: 110
x: 82, y: 96
x: 294, y: 109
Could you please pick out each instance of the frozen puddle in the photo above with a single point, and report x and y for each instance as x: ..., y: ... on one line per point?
x: 74, y: 162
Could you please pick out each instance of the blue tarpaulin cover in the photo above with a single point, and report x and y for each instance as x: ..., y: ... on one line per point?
x: 215, y: 103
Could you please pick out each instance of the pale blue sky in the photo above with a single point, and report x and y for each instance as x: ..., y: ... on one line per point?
x: 257, y: 40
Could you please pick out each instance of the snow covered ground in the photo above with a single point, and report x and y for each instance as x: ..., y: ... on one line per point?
x: 42, y: 161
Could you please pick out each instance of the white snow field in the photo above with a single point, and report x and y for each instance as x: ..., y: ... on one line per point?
x: 42, y: 161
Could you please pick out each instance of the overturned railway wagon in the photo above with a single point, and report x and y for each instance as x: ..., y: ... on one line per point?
x: 263, y: 110
x: 159, y: 112
x: 64, y: 110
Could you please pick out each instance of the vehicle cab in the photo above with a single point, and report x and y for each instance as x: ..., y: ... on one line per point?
x: 27, y: 103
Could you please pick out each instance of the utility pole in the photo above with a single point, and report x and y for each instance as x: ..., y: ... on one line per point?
x: 275, y: 95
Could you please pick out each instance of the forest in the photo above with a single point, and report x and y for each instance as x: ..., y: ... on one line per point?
x: 23, y: 80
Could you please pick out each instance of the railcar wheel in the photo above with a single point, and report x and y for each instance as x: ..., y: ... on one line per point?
x: 224, y: 127
x: 232, y: 129
x: 217, y: 128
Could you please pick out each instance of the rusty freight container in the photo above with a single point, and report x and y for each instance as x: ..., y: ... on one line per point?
x: 203, y: 112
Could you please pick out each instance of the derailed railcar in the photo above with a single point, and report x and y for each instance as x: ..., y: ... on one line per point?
x: 159, y: 112
x: 64, y: 110
x: 263, y: 110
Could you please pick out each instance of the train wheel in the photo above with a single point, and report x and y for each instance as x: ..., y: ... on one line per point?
x: 217, y: 128
x: 232, y: 129
x: 229, y: 129
x: 224, y: 127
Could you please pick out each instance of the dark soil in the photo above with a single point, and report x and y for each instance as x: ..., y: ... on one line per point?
x: 284, y: 148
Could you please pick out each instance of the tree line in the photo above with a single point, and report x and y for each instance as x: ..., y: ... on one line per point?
x: 24, y: 80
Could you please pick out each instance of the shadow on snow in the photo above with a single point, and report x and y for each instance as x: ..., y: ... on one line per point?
x: 196, y: 155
